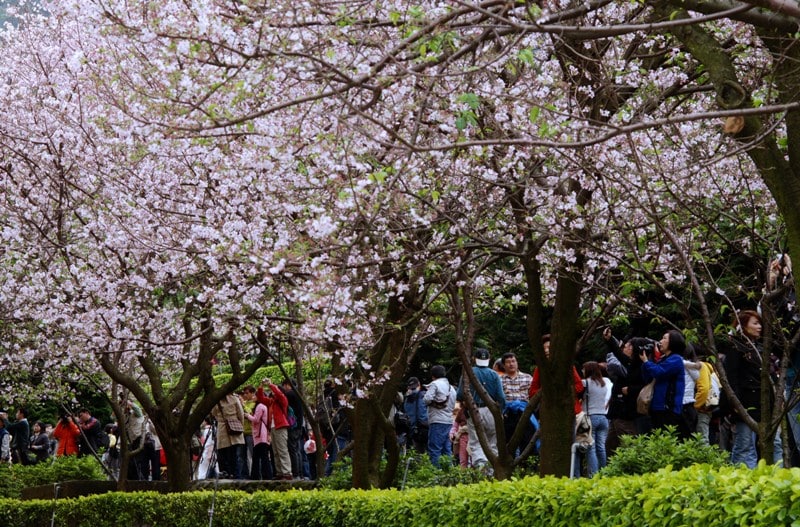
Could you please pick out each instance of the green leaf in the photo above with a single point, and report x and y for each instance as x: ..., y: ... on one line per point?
x: 470, y: 99
x: 526, y: 56
x: 533, y: 115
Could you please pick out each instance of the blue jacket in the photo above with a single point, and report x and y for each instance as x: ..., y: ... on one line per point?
x: 415, y: 408
x: 669, y: 376
x: 491, y: 383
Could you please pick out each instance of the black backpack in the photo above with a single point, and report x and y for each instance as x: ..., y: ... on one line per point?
x: 402, y: 422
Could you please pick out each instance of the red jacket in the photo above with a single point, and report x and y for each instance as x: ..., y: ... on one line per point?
x: 67, y: 436
x: 536, y: 385
x: 278, y: 405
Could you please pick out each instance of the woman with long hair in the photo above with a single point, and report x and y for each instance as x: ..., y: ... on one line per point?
x: 666, y: 407
x: 743, y: 362
x: 595, y: 403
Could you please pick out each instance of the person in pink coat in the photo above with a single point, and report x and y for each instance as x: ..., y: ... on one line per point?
x: 262, y: 465
x: 459, y: 436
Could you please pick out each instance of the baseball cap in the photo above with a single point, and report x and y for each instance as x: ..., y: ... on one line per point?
x: 481, y: 356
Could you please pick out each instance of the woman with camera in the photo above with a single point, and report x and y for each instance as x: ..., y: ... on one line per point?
x: 625, y: 371
x: 67, y: 434
x: 666, y: 407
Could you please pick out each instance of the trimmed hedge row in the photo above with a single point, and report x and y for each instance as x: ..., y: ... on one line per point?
x: 13, y: 478
x: 695, y: 496
x: 312, y: 369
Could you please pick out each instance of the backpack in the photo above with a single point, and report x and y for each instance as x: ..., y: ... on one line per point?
x: 291, y: 417
x: 441, y: 404
x: 402, y: 423
x: 583, y: 432
x: 714, y: 390
x: 322, y: 415
x: 103, y: 441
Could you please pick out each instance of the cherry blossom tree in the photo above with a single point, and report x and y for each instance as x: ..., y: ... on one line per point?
x: 148, y: 254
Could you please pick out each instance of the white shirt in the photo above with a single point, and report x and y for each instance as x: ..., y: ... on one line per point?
x: 597, y: 396
x: 690, y: 376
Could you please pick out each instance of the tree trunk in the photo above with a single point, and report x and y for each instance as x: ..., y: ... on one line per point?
x: 366, y: 472
x: 558, y: 391
x: 371, y: 427
x: 179, y: 461
x: 373, y: 436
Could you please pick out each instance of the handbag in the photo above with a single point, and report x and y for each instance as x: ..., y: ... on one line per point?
x: 234, y: 426
x: 583, y: 426
x: 644, y: 398
x: 714, y: 389
x: 583, y: 432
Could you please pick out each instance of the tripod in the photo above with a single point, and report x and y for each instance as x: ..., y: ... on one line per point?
x: 206, y: 466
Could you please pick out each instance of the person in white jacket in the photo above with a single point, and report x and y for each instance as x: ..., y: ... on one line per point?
x: 440, y: 398
x: 595, y: 404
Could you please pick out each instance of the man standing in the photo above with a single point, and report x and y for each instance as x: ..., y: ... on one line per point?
x: 336, y: 430
x: 491, y: 382
x: 440, y: 399
x: 417, y: 413
x: 230, y: 436
x: 296, y: 453
x: 20, y: 432
x: 515, y: 388
x: 91, y: 433
x: 135, y: 428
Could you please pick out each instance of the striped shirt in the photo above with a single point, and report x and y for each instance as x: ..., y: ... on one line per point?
x: 516, y: 388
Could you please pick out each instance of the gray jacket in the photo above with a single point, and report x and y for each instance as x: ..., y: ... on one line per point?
x: 440, y: 399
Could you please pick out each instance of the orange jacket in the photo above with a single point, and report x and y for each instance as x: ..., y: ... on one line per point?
x: 67, y: 436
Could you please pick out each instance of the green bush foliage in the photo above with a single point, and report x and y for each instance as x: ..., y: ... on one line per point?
x: 312, y: 369
x: 414, y: 471
x: 660, y: 449
x: 699, y: 495
x: 14, y: 478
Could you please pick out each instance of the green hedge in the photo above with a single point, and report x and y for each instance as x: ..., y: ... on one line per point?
x: 698, y: 495
x: 312, y: 369
x: 13, y: 478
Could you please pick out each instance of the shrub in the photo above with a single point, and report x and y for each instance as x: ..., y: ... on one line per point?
x: 413, y: 471
x: 14, y: 478
x: 699, y: 495
x: 660, y: 449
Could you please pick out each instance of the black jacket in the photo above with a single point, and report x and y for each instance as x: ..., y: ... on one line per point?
x: 623, y: 406
x: 743, y: 367
x: 41, y: 446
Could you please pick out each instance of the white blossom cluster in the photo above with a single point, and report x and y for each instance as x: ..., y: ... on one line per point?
x: 312, y: 170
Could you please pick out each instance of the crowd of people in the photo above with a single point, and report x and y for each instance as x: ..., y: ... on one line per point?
x: 262, y: 433
x: 684, y: 393
x: 77, y: 434
x: 255, y: 434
